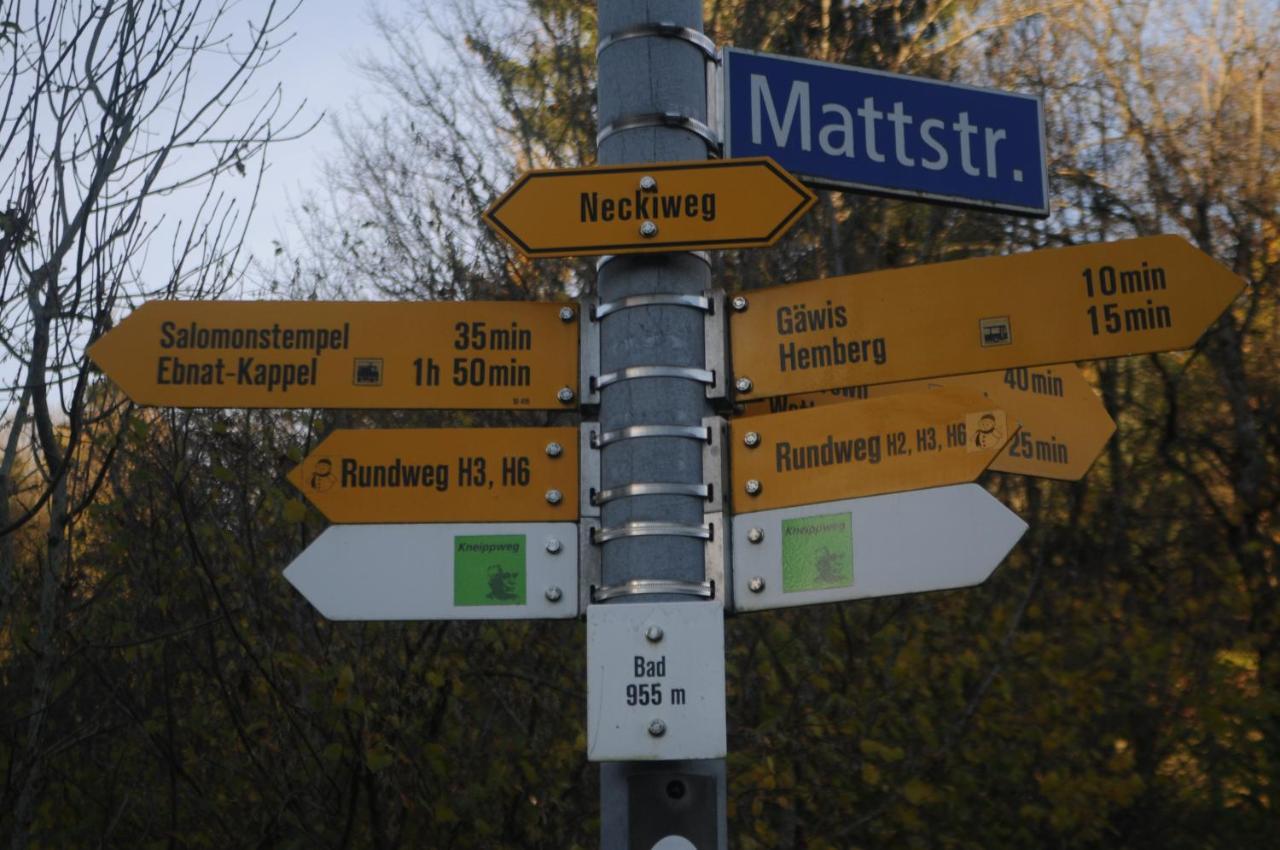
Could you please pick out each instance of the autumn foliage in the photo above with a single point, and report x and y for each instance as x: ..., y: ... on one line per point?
x: 1115, y: 684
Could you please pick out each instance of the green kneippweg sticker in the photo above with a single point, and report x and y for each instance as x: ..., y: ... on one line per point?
x: 489, y: 569
x: 817, y: 552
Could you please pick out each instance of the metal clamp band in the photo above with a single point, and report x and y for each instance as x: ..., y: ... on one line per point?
x: 715, y: 335
x: 661, y: 29
x: 716, y: 560
x: 649, y: 528
x: 661, y: 119
x: 688, y: 373
x: 647, y: 586
x: 702, y: 491
x: 691, y: 432
x: 698, y: 302
x: 605, y: 258
x: 715, y: 467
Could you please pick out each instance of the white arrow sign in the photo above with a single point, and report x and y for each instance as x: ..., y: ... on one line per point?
x: 465, y: 571
x: 936, y: 539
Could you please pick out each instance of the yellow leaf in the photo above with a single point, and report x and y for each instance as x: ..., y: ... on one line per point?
x: 294, y: 510
x: 378, y: 759
x: 917, y: 791
x: 342, y: 690
x: 870, y: 774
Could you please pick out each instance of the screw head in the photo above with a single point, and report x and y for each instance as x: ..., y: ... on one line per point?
x: 554, y: 496
x: 649, y: 229
x: 754, y: 487
x: 554, y: 450
x: 564, y: 395
x: 657, y: 728
x: 755, y: 535
x: 739, y: 302
x: 653, y: 633
x: 566, y: 314
x: 554, y: 545
x: 756, y: 584
x: 751, y: 439
x: 648, y: 184
x: 553, y: 594
x: 743, y: 385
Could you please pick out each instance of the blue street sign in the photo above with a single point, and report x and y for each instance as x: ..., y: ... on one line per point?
x: 841, y: 127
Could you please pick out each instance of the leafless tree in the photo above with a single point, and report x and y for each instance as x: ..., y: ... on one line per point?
x: 107, y: 109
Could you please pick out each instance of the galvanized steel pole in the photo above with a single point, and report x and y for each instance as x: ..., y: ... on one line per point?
x: 644, y: 72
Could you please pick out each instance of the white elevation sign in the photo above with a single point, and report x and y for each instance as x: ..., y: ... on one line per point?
x: 921, y: 540
x: 655, y: 681
x: 463, y: 571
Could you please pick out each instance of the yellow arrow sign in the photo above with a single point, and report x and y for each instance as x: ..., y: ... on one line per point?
x: 1063, y: 423
x: 878, y: 446
x: 1157, y: 293
x: 443, y: 475
x: 674, y: 206
x: 363, y: 354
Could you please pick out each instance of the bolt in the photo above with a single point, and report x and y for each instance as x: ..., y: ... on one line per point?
x: 554, y: 450
x: 753, y: 487
x: 554, y: 496
x: 649, y: 229
x: 653, y: 633
x: 648, y: 184
x: 751, y: 439
x: 743, y: 385
x: 756, y: 584
x: 755, y: 535
x: 739, y: 303
x: 565, y: 395
x: 553, y: 546
x: 566, y: 314
x: 553, y: 594
x: 657, y: 728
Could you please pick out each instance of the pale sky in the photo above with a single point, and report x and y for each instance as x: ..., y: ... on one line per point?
x: 320, y: 66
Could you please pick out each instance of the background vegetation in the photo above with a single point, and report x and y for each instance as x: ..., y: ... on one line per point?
x: 1116, y: 683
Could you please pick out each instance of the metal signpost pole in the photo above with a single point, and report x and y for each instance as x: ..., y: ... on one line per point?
x: 652, y: 107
